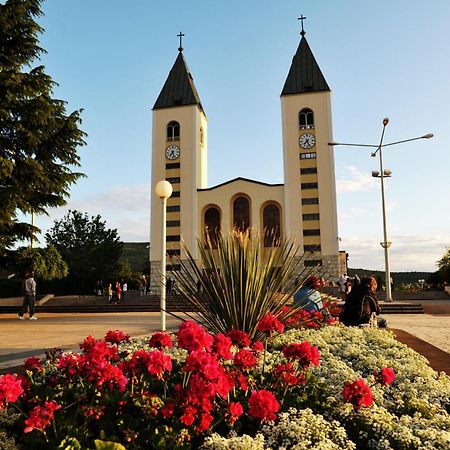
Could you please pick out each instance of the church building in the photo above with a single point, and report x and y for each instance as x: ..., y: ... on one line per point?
x: 302, y: 209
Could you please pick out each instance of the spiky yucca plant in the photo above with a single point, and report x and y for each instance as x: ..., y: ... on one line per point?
x: 237, y: 281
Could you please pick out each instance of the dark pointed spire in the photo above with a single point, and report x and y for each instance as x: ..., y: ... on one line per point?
x: 304, y: 74
x: 179, y: 88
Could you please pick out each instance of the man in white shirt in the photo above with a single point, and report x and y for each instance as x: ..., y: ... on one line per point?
x: 30, y: 297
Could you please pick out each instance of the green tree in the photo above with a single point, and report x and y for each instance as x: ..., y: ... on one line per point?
x: 47, y: 263
x: 90, y: 249
x: 38, y: 139
x: 444, y: 266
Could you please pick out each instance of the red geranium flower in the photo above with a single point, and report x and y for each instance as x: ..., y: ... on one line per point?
x: 158, y: 362
x: 288, y: 374
x: 188, y: 416
x: 270, y: 323
x: 205, y: 422
x: 235, y: 410
x: 358, y: 394
x: 41, y: 416
x: 263, y: 405
x: 33, y: 363
x: 204, y: 363
x: 116, y: 337
x: 222, y: 346
x: 305, y: 353
x: 10, y: 389
x: 192, y: 336
x: 385, y: 376
x: 257, y: 346
x: 245, y: 359
x: 160, y: 340
x: 239, y: 338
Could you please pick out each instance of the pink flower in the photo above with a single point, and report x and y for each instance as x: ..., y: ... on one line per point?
x: 235, y: 410
x: 33, y: 363
x: 358, y: 394
x: 270, y: 323
x: 158, y: 362
x: 41, y: 416
x: 305, y: 353
x: 263, y: 405
x: 192, y: 336
x: 160, y: 340
x: 239, y: 338
x: 385, y: 376
x: 10, y: 389
x: 222, y: 346
x: 116, y: 337
x: 245, y: 359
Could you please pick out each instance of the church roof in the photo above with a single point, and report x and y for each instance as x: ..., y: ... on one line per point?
x: 234, y: 180
x: 179, y: 88
x: 304, y: 74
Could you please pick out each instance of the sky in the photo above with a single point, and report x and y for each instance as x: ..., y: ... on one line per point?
x: 380, y: 58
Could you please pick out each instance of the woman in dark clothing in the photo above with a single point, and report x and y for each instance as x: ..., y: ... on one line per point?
x: 361, y: 303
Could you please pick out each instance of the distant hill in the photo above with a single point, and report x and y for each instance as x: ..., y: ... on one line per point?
x: 136, y: 253
x: 398, y: 277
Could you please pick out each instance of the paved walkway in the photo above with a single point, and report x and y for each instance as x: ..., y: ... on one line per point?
x: 427, y: 334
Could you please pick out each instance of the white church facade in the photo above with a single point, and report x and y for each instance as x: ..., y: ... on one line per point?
x: 303, y: 208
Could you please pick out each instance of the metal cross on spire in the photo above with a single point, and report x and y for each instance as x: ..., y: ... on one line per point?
x: 302, y: 18
x: 180, y: 48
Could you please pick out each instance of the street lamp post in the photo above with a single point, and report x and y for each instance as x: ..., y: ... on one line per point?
x: 384, y: 173
x: 163, y: 190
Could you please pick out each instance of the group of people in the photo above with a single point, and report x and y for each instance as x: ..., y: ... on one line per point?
x: 361, y: 303
x: 117, y: 292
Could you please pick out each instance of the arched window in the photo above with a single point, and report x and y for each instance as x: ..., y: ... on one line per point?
x: 173, y: 131
x: 306, y: 119
x: 212, y: 225
x: 201, y: 136
x: 241, y: 213
x: 271, y: 225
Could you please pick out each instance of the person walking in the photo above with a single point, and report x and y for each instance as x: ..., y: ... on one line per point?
x: 29, y: 298
x: 124, y: 290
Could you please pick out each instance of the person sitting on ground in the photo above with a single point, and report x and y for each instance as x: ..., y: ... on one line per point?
x: 361, y: 303
x: 308, y: 297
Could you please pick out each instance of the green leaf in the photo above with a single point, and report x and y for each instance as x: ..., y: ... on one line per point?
x: 106, y: 445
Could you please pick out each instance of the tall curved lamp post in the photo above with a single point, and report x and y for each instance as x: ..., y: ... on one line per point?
x: 382, y: 174
x: 163, y: 190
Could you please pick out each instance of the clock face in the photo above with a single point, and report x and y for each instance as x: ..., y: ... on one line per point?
x: 307, y: 140
x: 172, y: 152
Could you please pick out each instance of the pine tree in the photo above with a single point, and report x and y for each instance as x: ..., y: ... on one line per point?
x: 38, y: 139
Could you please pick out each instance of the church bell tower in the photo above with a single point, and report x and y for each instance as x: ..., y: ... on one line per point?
x: 179, y: 155
x: 309, y: 179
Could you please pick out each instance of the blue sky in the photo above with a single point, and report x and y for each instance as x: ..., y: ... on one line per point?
x: 381, y: 58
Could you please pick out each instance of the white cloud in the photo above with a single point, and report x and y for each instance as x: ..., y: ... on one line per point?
x: 125, y: 208
x: 407, y: 253
x: 354, y: 180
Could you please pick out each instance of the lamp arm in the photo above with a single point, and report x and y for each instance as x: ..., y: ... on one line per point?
x: 405, y: 140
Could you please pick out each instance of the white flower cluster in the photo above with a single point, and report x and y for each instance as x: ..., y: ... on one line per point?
x: 296, y: 430
x: 412, y: 413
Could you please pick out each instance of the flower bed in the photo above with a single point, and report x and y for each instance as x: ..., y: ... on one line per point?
x: 326, y: 388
